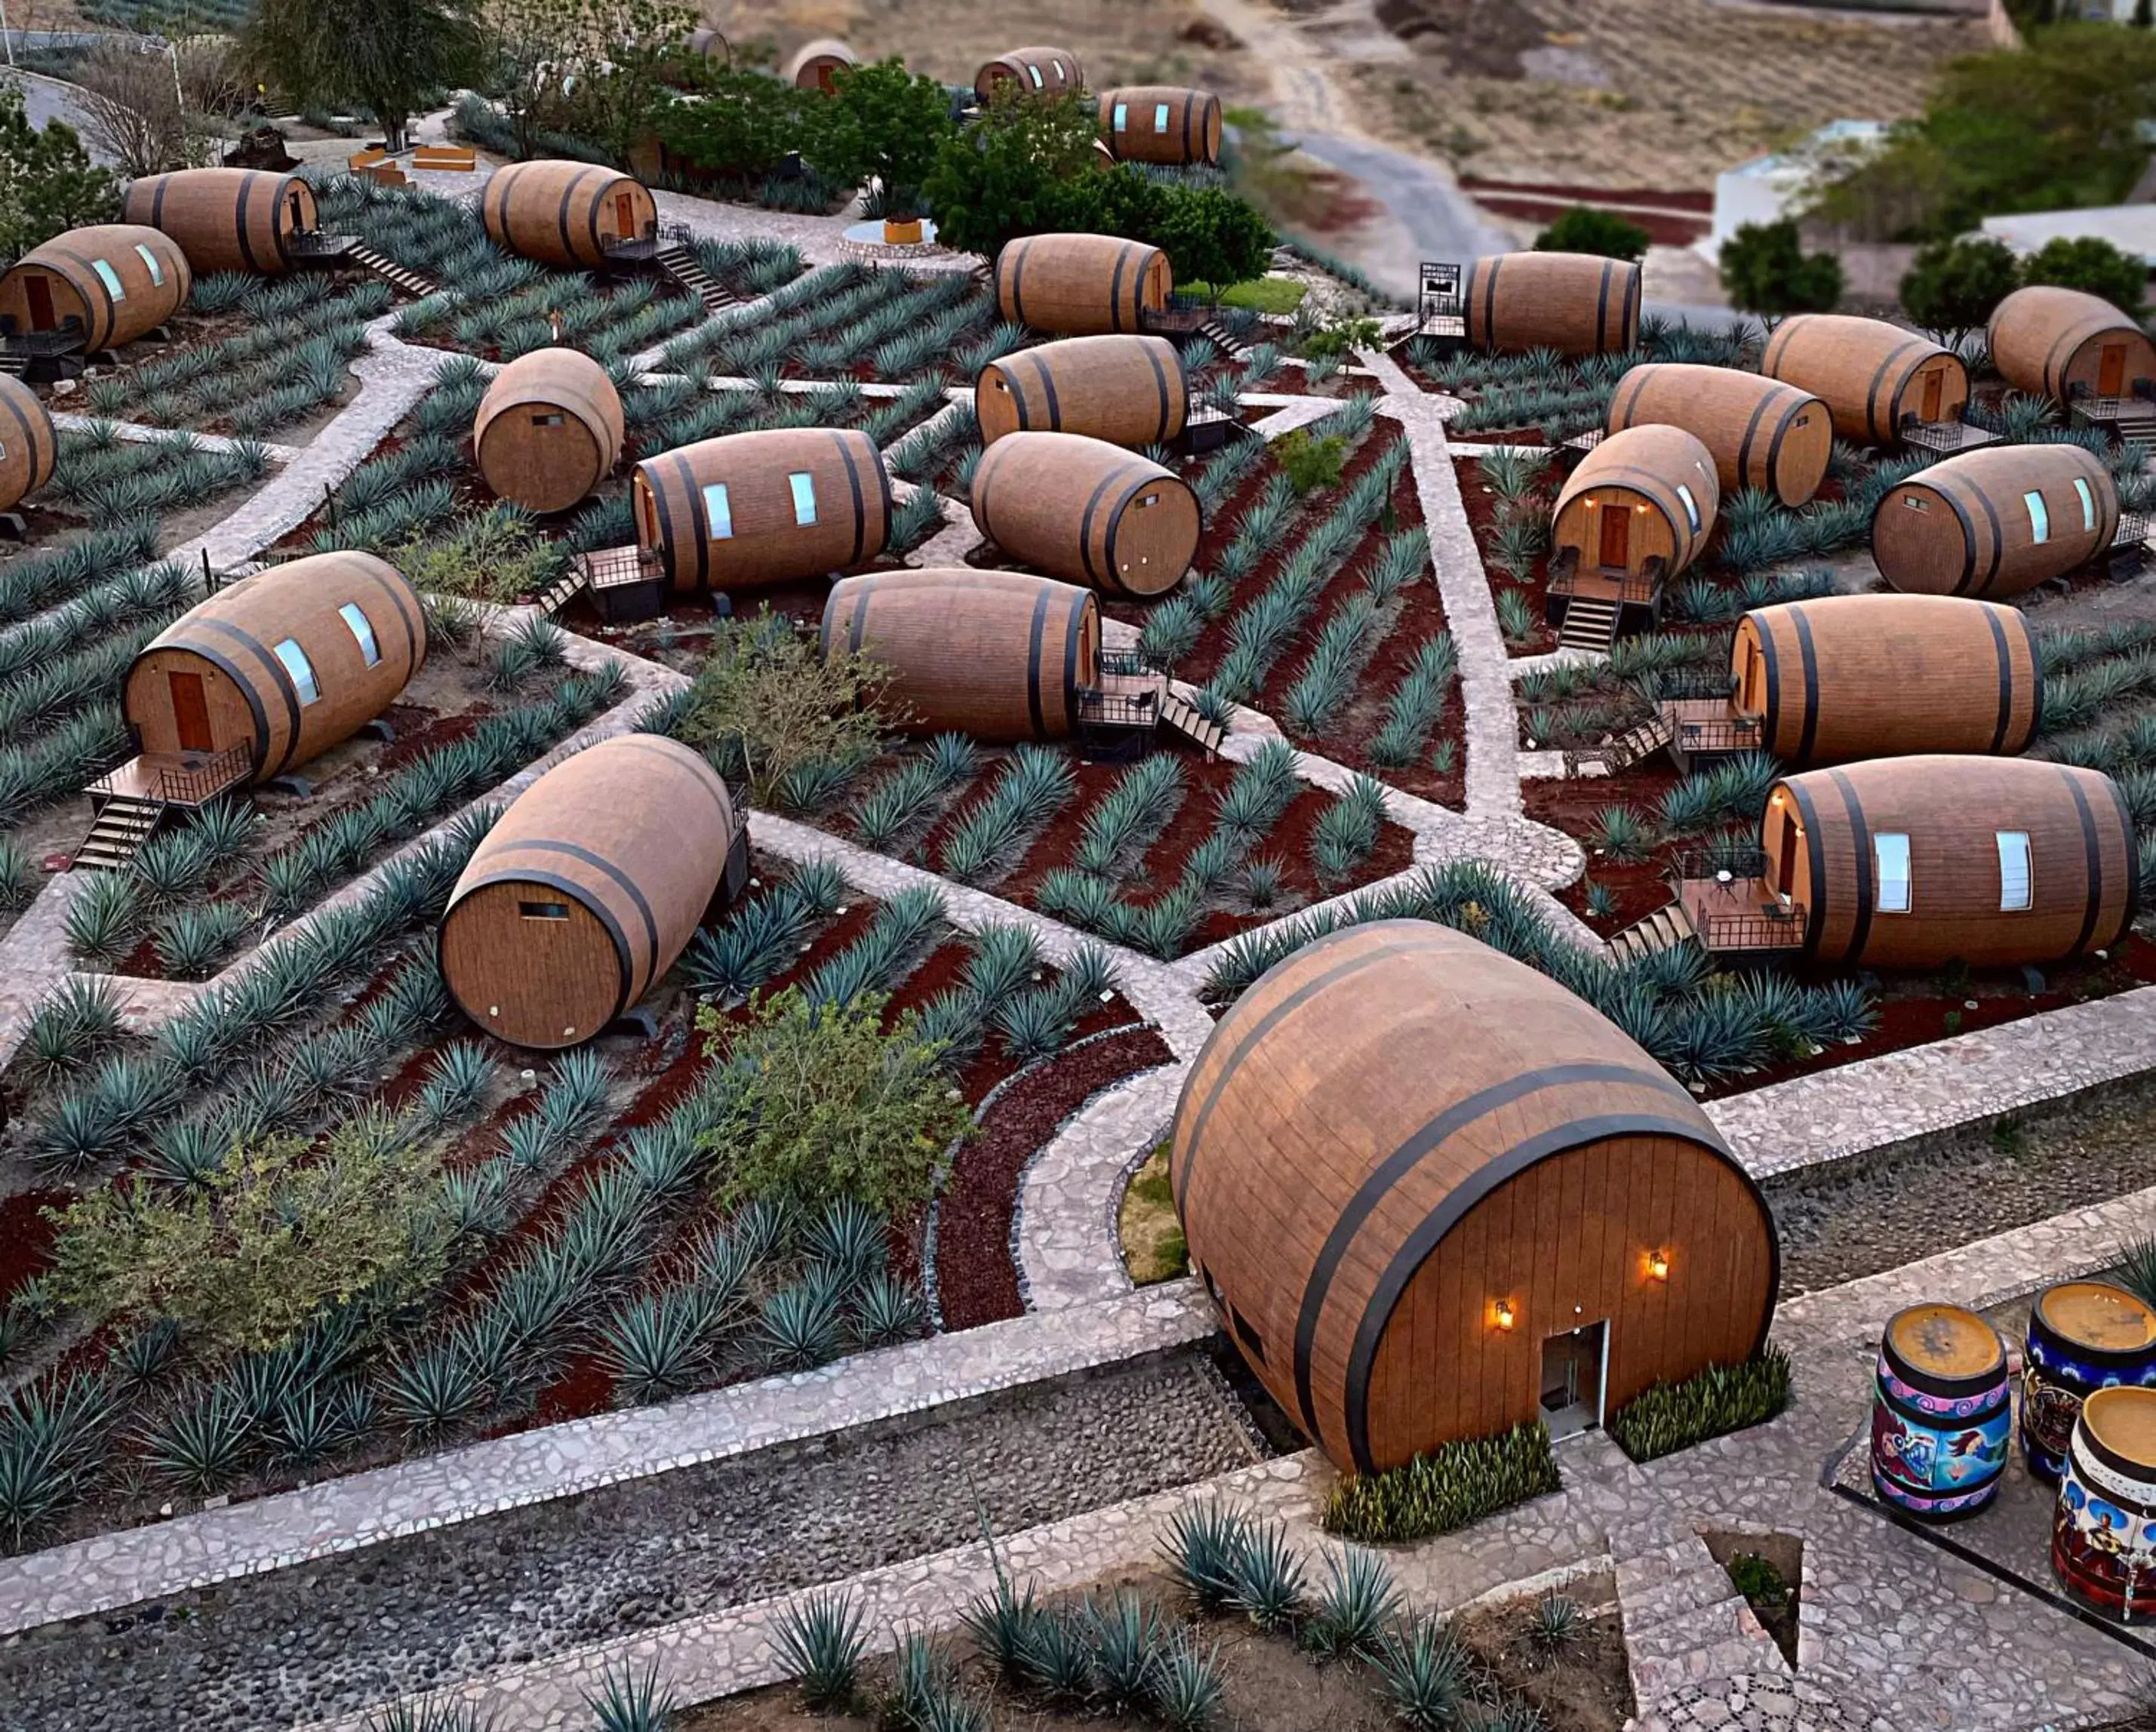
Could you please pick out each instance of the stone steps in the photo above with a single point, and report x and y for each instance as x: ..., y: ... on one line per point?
x: 1685, y: 1623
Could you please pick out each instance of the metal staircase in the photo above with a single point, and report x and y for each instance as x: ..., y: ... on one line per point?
x: 1225, y: 341
x: 1590, y: 623
x: 1627, y: 749
x: 397, y: 276
x: 125, y: 822
x: 1180, y: 713
x: 13, y: 364
x: 680, y: 262
x: 1664, y: 929
x: 563, y: 590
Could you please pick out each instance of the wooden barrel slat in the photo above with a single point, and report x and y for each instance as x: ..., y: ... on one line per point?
x: 226, y: 219
x: 1396, y: 1132
x: 769, y: 544
x: 1851, y: 677
x: 153, y: 272
x: 564, y: 213
x: 1170, y: 124
x: 1642, y: 466
x: 27, y: 442
x: 1573, y: 302
x: 815, y: 62
x: 1868, y: 373
x: 2058, y: 341
x: 995, y: 654
x: 1966, y: 527
x: 586, y: 890
x: 2083, y: 1336
x: 1942, y: 1412
x: 1081, y: 284
x: 2082, y: 878
x: 2103, y: 1532
x: 1087, y: 511
x: 1130, y: 391
x: 1038, y: 71
x: 549, y: 430
x: 1761, y: 433
x: 217, y: 666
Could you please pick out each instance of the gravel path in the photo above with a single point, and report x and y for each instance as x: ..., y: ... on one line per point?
x: 1879, y: 1214
x: 336, y: 1636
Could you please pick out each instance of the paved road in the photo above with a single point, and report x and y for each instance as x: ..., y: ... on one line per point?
x: 46, y: 99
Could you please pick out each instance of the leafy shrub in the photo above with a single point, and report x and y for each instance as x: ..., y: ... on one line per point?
x: 1310, y: 463
x: 1447, y: 1488
x: 767, y: 704
x: 1584, y: 229
x: 1672, y: 1417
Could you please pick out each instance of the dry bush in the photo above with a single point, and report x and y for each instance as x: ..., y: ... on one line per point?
x: 131, y: 110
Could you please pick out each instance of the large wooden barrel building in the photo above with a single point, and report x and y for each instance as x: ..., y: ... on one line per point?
x: 286, y: 663
x: 1040, y: 71
x: 995, y: 654
x: 570, y: 214
x: 1647, y: 493
x: 549, y: 430
x: 27, y: 443
x: 1871, y: 374
x: 1087, y: 511
x: 226, y: 219
x: 1081, y: 284
x: 2063, y: 343
x: 773, y: 506
x: 1914, y: 862
x: 816, y: 64
x: 1127, y: 390
x: 1161, y: 123
x: 1428, y: 1188
x: 1996, y: 521
x: 586, y: 889
x: 1573, y: 302
x: 1761, y: 433
x: 115, y: 282
x: 708, y: 44
x: 1845, y: 677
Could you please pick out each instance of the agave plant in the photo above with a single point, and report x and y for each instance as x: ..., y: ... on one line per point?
x: 204, y: 1446
x: 1204, y: 1548
x: 1356, y: 1603
x: 819, y: 1641
x: 1186, y: 1685
x: 1422, y: 1673
x: 630, y: 1701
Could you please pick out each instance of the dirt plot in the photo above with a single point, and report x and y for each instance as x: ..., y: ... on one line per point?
x: 1637, y: 93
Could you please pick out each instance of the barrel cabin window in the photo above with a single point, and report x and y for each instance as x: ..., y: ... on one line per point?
x: 2088, y: 504
x: 2039, y: 518
x: 542, y: 911
x: 301, y: 670
x: 550, y: 418
x: 1890, y: 856
x: 1122, y: 119
x: 1035, y: 71
x: 2016, y: 883
x: 1690, y: 506
x: 150, y: 259
x: 1160, y: 118
x: 718, y: 511
x: 804, y: 496
x: 362, y: 631
x: 111, y: 278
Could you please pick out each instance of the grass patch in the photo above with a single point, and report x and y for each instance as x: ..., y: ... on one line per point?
x: 1721, y: 1399
x: 1153, y: 1246
x: 1260, y: 294
x: 1445, y: 1489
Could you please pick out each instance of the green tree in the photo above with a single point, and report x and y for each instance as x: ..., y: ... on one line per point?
x: 2144, y: 14
x: 1006, y: 175
x: 386, y: 54
x: 1584, y: 229
x: 1765, y: 269
x: 634, y: 60
x: 885, y: 123
x: 1212, y: 236
x: 766, y: 703
x: 2095, y: 267
x: 741, y: 125
x: 48, y: 182
x: 1952, y: 286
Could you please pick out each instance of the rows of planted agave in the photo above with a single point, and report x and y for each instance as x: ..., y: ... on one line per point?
x: 290, y: 360
x: 113, y: 482
x: 2099, y: 712
x: 201, y: 891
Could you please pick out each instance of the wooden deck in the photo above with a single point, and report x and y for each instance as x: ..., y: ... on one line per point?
x: 1741, y: 914
x: 174, y: 779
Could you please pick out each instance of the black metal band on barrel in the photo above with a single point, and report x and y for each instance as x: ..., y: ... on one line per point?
x: 607, y: 868
x: 1808, y: 659
x: 2094, y: 851
x: 1160, y: 381
x: 1116, y: 286
x: 1073, y: 629
x: 1751, y: 432
x: 845, y: 450
x: 1035, y: 633
x: 1878, y: 377
x: 1789, y: 419
x: 1602, y: 306
x: 29, y: 442
x: 239, y: 204
x: 1998, y: 538
x: 698, y: 518
x: 1085, y: 529
x: 2005, y: 658
x: 1867, y: 867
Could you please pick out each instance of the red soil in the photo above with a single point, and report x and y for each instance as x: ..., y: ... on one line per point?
x: 26, y: 1237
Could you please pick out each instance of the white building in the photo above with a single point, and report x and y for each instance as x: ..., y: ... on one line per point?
x: 1765, y: 190
x: 2130, y: 228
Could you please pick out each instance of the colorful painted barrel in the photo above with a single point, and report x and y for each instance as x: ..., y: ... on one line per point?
x: 2103, y: 1533
x: 1942, y: 1413
x: 2083, y: 1336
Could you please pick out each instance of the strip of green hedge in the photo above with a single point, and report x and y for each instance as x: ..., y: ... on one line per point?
x: 1672, y: 1417
x: 1447, y: 1488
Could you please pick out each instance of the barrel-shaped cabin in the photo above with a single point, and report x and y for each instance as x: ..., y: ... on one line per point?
x: 1081, y: 284
x: 1915, y: 862
x: 1434, y: 1196
x: 113, y: 283
x: 708, y: 44
x: 2063, y: 343
x: 588, y: 888
x: 996, y: 654
x: 549, y: 430
x: 1169, y: 123
x: 1645, y: 497
x: 570, y: 214
x: 1761, y: 433
x: 283, y: 664
x: 1845, y: 677
x: 748, y: 510
x: 226, y: 219
x: 816, y: 64
x: 1127, y: 390
x: 1573, y: 302
x: 1039, y: 71
x: 27, y: 443
x: 1872, y: 376
x: 1995, y: 522
x: 1087, y: 511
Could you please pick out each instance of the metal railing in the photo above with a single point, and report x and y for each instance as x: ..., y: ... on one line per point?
x: 1702, y: 864
x: 1638, y: 589
x: 1117, y: 709
x: 1133, y: 664
x: 1776, y: 929
x: 2133, y: 527
x: 205, y: 781
x: 63, y: 341
x: 613, y: 567
x: 1717, y: 733
x: 1945, y: 437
